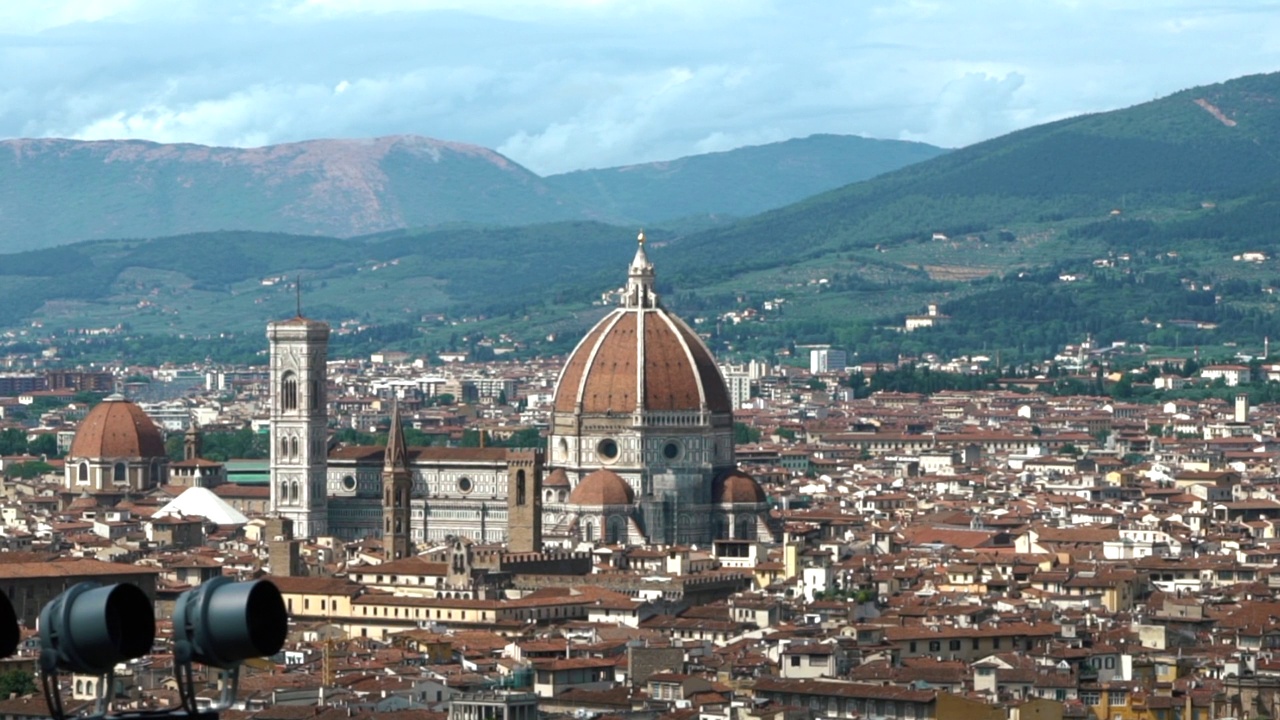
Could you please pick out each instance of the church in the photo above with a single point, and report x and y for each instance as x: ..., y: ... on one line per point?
x: 640, y: 450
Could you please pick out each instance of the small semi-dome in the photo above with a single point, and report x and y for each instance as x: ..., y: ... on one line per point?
x: 736, y: 487
x: 556, y: 478
x: 602, y: 487
x: 117, y: 428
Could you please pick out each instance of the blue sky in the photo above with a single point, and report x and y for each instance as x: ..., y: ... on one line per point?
x: 566, y: 84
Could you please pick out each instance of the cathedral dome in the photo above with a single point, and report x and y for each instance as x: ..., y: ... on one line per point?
x: 641, y: 358
x: 735, y: 487
x: 117, y: 428
x: 602, y: 487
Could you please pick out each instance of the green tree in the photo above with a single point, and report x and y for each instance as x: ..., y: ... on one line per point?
x: 45, y: 445
x: 744, y: 434
x: 28, y: 470
x: 17, y: 682
x: 471, y: 438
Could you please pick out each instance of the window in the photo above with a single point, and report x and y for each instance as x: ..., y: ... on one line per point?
x: 955, y: 645
x: 118, y: 475
x: 995, y: 643
x: 976, y: 643
x: 520, y: 489
x: 1110, y: 663
x: 795, y: 661
x: 912, y: 646
x: 289, y: 392
x: 1090, y: 697
x: 935, y: 645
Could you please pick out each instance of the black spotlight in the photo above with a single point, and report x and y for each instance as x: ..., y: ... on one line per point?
x: 221, y: 624
x: 90, y: 628
x: 9, y: 633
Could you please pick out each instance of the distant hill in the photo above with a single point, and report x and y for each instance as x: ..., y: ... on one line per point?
x: 739, y: 182
x: 1209, y: 145
x: 58, y: 191
x: 1127, y: 225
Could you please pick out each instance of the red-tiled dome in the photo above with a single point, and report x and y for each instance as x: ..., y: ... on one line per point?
x: 117, y: 428
x: 602, y: 487
x: 736, y: 487
x: 641, y: 359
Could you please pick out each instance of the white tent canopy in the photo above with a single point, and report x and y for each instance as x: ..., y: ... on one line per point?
x: 201, y: 501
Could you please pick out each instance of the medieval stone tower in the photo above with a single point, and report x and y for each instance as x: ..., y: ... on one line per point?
x: 299, y: 419
x: 524, y: 501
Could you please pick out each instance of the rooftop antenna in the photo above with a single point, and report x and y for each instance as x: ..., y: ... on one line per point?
x: 298, y: 286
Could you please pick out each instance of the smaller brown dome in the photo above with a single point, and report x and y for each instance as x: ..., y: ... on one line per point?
x: 117, y: 428
x: 602, y: 487
x: 557, y: 478
x: 736, y: 487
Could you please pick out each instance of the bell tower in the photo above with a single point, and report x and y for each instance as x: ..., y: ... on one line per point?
x: 524, y: 501
x: 397, y: 482
x: 299, y: 421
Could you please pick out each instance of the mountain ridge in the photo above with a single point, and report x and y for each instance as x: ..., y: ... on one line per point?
x: 56, y: 190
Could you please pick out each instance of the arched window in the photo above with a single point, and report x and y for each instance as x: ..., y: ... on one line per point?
x: 588, y: 532
x: 288, y: 391
x: 284, y: 448
x: 83, y: 473
x: 120, y: 473
x: 313, y: 396
x: 617, y: 530
x: 293, y: 448
x: 293, y: 491
x: 520, y: 498
x: 388, y: 524
x: 404, y: 497
x: 283, y: 495
x: 548, y: 496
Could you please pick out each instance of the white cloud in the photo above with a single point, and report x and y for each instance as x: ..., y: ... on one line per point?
x: 561, y: 84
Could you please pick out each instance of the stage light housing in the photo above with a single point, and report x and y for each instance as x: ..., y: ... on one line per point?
x: 9, y: 633
x: 221, y: 623
x: 91, y: 628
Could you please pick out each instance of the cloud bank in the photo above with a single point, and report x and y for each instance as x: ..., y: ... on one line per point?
x: 559, y: 85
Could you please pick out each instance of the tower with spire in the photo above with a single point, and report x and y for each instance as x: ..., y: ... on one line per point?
x: 397, y: 483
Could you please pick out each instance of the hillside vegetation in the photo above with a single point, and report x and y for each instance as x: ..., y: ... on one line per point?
x: 740, y: 182
x: 1152, y: 224
x: 58, y: 191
